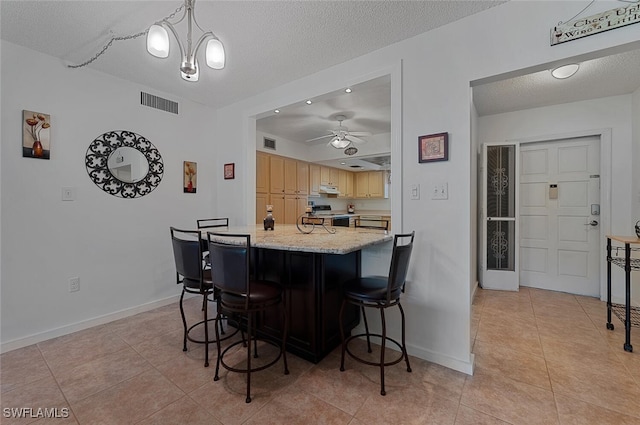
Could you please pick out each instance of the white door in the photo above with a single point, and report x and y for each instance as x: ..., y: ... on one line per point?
x: 559, y: 207
x: 499, y: 264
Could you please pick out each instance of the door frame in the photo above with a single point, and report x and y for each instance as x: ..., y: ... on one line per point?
x: 605, y: 187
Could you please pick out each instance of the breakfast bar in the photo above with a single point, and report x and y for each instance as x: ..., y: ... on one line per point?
x: 312, y: 268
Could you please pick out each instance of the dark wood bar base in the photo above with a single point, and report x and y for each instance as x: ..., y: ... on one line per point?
x: 313, y: 295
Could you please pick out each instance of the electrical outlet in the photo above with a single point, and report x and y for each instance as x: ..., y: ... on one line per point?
x: 68, y: 193
x: 74, y: 284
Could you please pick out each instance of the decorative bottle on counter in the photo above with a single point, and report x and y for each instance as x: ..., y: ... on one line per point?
x: 269, y: 221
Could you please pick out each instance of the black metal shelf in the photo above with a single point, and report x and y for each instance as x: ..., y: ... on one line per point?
x: 620, y: 261
x: 619, y: 311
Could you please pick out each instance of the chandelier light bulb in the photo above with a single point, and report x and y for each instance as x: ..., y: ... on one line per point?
x: 215, y: 54
x: 158, y: 41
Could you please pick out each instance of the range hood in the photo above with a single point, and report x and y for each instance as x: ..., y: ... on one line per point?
x: 329, y: 190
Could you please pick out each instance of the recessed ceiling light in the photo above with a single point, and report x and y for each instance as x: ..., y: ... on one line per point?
x: 565, y: 71
x: 309, y: 102
x: 277, y: 111
x: 343, y: 163
x: 347, y: 90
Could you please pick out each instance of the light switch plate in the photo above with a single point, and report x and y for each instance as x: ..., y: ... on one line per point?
x: 440, y: 191
x: 415, y: 191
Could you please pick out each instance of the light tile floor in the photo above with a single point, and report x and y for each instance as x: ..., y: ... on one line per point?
x: 541, y: 358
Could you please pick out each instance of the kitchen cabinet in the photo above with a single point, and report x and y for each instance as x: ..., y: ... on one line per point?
x: 302, y: 175
x: 278, y: 212
x: 294, y: 207
x: 262, y: 172
x: 314, y: 180
x: 262, y: 200
x: 371, y: 184
x: 329, y: 176
x: 287, y: 184
x: 276, y: 174
x: 345, y: 184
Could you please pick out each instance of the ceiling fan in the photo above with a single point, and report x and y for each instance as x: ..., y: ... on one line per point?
x: 341, y: 137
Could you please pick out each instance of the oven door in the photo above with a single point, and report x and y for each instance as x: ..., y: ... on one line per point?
x: 340, y: 221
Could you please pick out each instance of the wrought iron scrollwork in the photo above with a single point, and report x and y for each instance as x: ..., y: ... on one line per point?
x: 98, y: 154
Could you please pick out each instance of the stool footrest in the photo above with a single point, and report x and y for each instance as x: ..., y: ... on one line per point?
x: 361, y: 360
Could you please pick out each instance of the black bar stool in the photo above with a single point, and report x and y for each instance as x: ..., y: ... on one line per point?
x: 244, y: 296
x: 380, y: 292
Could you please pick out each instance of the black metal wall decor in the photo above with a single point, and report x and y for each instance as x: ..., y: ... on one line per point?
x: 114, y: 176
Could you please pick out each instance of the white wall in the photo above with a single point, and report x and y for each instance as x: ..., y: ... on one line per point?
x: 635, y: 187
x: 119, y: 248
x: 613, y: 113
x: 436, y: 71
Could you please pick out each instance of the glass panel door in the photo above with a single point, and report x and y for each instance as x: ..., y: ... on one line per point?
x: 499, y: 262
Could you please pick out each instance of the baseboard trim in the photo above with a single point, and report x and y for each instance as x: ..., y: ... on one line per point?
x: 431, y: 356
x: 85, y: 324
x: 474, y: 289
x: 442, y: 359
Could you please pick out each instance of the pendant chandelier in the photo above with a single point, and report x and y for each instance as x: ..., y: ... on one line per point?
x: 158, y: 44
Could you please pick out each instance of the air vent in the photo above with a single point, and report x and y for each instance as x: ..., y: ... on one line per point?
x: 269, y: 143
x: 355, y: 166
x: 157, y: 102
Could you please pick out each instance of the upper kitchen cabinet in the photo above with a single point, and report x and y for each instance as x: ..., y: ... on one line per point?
x: 329, y: 176
x: 302, y: 176
x: 276, y: 174
x: 371, y: 184
x: 262, y: 172
x: 314, y: 180
x: 345, y: 184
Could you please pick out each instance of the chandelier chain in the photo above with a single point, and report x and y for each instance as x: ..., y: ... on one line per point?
x: 121, y: 38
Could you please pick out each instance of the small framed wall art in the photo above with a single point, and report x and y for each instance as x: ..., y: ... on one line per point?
x: 36, y: 135
x: 229, y: 171
x: 190, y: 177
x: 433, y: 147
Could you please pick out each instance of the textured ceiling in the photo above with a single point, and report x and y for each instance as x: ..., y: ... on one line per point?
x: 607, y: 76
x: 268, y: 43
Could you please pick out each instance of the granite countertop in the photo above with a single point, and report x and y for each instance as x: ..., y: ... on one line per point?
x: 287, y: 237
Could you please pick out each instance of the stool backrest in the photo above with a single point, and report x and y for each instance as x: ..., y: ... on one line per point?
x: 230, y: 259
x: 399, y: 265
x: 212, y: 222
x: 187, y: 253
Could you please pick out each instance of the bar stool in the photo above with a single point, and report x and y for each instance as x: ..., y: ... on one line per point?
x: 195, y: 279
x: 210, y: 223
x: 242, y: 295
x: 380, y: 292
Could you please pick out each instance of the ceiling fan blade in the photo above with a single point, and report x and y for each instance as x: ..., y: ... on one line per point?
x: 321, y: 137
x: 350, y: 137
x: 360, y: 133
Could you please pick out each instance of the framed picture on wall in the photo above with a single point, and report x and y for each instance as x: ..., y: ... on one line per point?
x: 229, y: 171
x: 36, y: 135
x: 190, y: 176
x: 433, y: 147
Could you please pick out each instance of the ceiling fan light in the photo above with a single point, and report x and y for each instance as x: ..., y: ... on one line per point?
x: 215, y: 54
x: 565, y: 71
x: 158, y: 41
x: 340, y: 143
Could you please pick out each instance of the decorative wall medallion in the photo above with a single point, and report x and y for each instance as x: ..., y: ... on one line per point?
x: 124, y: 164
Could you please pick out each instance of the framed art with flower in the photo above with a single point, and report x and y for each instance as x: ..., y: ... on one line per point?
x: 433, y: 147
x: 36, y: 135
x: 229, y: 171
x: 190, y: 176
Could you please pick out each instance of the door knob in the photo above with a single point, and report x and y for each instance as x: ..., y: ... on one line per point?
x: 592, y: 223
